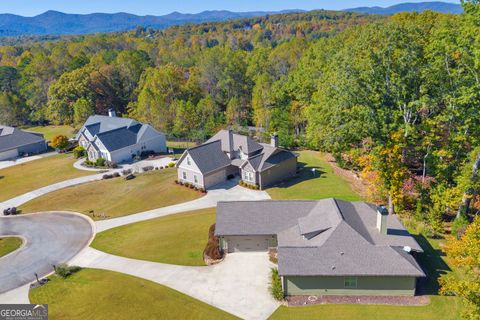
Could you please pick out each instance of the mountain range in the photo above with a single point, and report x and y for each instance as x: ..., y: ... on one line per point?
x: 445, y: 7
x: 58, y: 23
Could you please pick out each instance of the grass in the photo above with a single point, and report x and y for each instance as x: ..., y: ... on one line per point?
x: 175, y: 239
x: 32, y: 175
x: 9, y: 244
x: 99, y: 294
x: 50, y: 132
x: 116, y: 197
x: 307, y: 186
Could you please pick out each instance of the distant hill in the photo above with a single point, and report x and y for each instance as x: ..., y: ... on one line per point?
x: 58, y: 23
x: 444, y: 7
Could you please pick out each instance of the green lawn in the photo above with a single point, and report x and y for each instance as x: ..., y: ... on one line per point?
x: 117, y: 197
x: 98, y: 294
x: 175, y: 239
x: 51, y: 131
x: 324, y: 184
x: 9, y: 244
x: 32, y: 175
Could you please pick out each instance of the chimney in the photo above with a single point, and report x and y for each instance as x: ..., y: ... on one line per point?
x: 382, y: 214
x: 231, y: 152
x: 274, y: 140
x: 111, y: 113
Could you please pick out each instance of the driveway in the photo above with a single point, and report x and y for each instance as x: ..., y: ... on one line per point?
x: 238, y: 285
x: 51, y: 239
x: 227, y: 191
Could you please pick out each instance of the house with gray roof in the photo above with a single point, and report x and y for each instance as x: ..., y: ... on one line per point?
x: 228, y: 154
x: 16, y: 143
x: 325, y: 247
x: 118, y: 139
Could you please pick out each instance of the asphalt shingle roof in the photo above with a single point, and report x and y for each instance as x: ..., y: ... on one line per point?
x: 325, y: 237
x: 11, y: 138
x: 209, y: 157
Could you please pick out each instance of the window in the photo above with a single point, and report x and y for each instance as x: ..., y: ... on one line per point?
x: 184, y: 175
x: 350, y: 282
x: 188, y: 161
x: 195, y: 178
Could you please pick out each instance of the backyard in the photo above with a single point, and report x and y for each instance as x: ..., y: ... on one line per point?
x: 99, y: 294
x: 116, y: 197
x: 309, y: 185
x: 32, y: 175
x: 174, y: 239
x: 9, y: 244
x: 51, y: 131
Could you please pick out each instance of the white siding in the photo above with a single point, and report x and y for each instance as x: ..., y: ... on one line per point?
x: 190, y: 171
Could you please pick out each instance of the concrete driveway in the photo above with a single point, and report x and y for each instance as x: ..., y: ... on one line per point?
x: 238, y: 285
x: 50, y: 239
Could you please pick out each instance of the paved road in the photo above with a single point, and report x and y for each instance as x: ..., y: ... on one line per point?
x: 51, y: 238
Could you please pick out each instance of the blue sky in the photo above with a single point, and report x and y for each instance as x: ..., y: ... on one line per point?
x: 160, y: 7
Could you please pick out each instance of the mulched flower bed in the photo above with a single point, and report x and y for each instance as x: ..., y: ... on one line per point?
x: 382, y: 300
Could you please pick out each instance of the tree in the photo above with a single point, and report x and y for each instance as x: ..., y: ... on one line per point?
x: 82, y: 109
x: 59, y: 142
x: 465, y: 254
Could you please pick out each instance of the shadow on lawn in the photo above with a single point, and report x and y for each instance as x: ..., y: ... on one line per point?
x: 304, y: 174
x: 432, y: 264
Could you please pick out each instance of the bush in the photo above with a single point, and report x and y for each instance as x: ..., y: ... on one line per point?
x: 126, y: 172
x: 111, y: 164
x: 212, y: 249
x: 191, y: 186
x: 63, y: 270
x: 176, y: 181
x: 129, y: 177
x: 276, y: 285
x: 171, y: 164
x: 116, y: 174
x: 202, y: 190
x: 459, y: 226
x: 59, y: 142
x: 79, y: 152
x: 107, y: 176
x: 100, y: 162
x: 147, y: 168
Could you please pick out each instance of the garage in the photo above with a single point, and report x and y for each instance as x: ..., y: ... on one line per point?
x: 213, y: 179
x: 248, y: 243
x: 8, y: 155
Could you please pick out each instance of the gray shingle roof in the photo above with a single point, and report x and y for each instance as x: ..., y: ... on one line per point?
x: 325, y: 237
x: 119, y: 138
x: 237, y: 141
x: 209, y: 157
x: 12, y: 138
x: 99, y: 124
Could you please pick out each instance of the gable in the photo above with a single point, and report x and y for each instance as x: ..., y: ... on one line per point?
x: 184, y: 161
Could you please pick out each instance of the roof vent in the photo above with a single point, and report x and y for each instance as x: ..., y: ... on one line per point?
x: 342, y: 253
x: 333, y: 267
x: 407, y: 249
x: 111, y: 113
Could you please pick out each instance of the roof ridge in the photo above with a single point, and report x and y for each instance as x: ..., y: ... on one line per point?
x: 204, y: 144
x: 405, y: 259
x: 113, y: 130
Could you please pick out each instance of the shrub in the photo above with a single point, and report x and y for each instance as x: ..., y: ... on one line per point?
x: 147, y: 168
x: 181, y: 183
x: 129, y: 177
x: 79, y: 152
x: 116, y: 174
x: 126, y: 172
x: 212, y: 249
x: 111, y: 164
x: 107, y: 176
x: 276, y: 285
x: 459, y: 226
x: 161, y: 168
x: 59, y: 142
x: 202, y: 190
x: 191, y: 186
x: 171, y: 164
x: 63, y: 270
x: 100, y: 162
x: 176, y: 181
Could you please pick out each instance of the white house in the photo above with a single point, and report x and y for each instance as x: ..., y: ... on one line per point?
x: 118, y: 139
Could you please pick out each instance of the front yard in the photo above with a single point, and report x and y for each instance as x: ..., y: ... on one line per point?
x: 32, y: 175
x: 9, y: 244
x: 174, y: 239
x: 321, y: 184
x: 98, y: 294
x: 116, y: 197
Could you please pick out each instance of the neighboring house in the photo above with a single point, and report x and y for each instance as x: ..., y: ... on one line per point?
x: 16, y: 143
x: 227, y: 154
x: 118, y: 139
x: 326, y: 247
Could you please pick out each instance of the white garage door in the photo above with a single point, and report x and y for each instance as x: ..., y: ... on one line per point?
x: 254, y: 243
x: 8, y: 155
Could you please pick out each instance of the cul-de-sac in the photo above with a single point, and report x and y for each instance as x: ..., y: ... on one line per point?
x: 253, y: 160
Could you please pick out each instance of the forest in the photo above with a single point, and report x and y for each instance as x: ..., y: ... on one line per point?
x: 397, y: 99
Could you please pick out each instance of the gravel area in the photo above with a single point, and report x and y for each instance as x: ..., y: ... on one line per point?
x: 381, y: 300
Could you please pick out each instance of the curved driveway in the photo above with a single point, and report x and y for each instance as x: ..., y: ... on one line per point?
x: 51, y: 238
